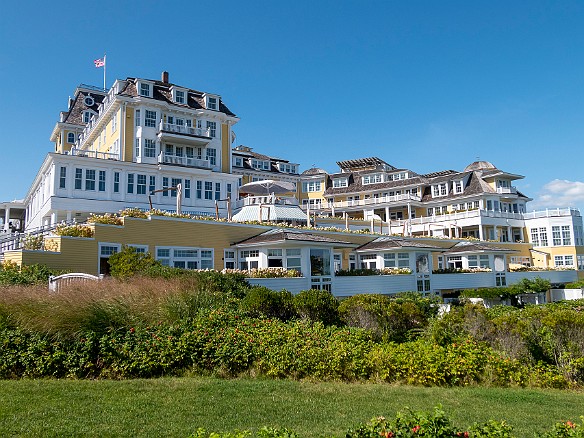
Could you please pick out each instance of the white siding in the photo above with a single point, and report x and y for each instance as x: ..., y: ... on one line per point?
x: 373, y: 284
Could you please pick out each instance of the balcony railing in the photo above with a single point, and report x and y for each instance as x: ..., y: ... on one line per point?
x: 552, y: 212
x: 268, y: 199
x: 366, y: 202
x: 183, y: 129
x: 183, y: 161
x: 504, y: 190
x: 94, y: 154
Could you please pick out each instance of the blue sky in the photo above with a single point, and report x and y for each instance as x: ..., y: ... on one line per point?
x: 424, y: 85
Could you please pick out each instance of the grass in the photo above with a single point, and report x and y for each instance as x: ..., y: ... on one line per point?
x: 178, y: 406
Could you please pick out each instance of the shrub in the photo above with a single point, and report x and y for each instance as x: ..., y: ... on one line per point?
x: 108, y: 219
x: 317, y: 305
x: 76, y: 230
x: 33, y: 242
x: 128, y: 262
x: 12, y: 274
x: 263, y: 302
x: 567, y: 429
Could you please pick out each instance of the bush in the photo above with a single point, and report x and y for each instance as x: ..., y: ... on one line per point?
x: 108, y: 219
x: 128, y: 262
x: 12, y: 274
x: 317, y: 305
x: 76, y: 230
x: 263, y: 302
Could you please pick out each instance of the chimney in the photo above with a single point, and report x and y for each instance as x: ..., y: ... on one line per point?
x: 165, y: 77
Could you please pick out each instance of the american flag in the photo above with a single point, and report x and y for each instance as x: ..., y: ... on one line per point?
x: 99, y: 62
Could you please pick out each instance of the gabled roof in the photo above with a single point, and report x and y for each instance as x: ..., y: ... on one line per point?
x: 276, y: 235
x: 466, y: 247
x: 74, y: 114
x: 271, y: 212
x: 382, y: 243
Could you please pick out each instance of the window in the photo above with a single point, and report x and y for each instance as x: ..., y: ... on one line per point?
x: 116, y: 182
x: 62, y: 177
x: 287, y: 168
x: 567, y: 260
x: 165, y: 185
x: 101, y: 185
x: 566, y: 239
x: 145, y: 90
x: 396, y: 260
x: 137, y: 117
x: 260, y: 164
x: 179, y: 96
x: 137, y: 148
x: 89, y: 179
x: 185, y: 257
x: 115, y: 122
x: 578, y: 237
x: 149, y: 148
x: 340, y: 182
x: 238, y: 161
x: 71, y: 137
x: 217, y: 191
x: 480, y: 261
x: 293, y: 259
x: 311, y: 186
x: 141, y: 185
x: 320, y: 262
x: 86, y: 116
x: 187, y: 188
x: 212, y: 156
x: 229, y: 259
x: 580, y: 259
x: 199, y: 189
x: 212, y: 127
x: 78, y: 178
x: 152, y: 185
x: 150, y: 119
x: 457, y: 186
x: 212, y: 103
x: 88, y: 101
x: 130, y: 183
x: 228, y: 190
x: 534, y: 236
x: 543, y: 237
x: 368, y: 261
x: 249, y: 259
x: 275, y: 259
x: 556, y: 236
x: 175, y: 183
x: 439, y: 190
x: 372, y: 179
x: 208, y: 190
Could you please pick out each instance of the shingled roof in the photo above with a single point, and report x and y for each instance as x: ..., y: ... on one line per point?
x: 463, y: 247
x: 288, y: 235
x: 382, y: 243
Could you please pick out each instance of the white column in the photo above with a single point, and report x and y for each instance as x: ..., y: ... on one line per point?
x: 481, y: 232
x: 69, y: 216
x: 387, y: 214
x: 53, y: 218
x: 6, y: 218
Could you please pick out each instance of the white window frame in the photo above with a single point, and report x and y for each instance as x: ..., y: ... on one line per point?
x: 197, y: 261
x: 340, y: 182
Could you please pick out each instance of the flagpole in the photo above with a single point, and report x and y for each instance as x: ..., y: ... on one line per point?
x: 104, y: 67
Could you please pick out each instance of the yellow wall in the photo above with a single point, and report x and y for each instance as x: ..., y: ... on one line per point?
x: 128, y: 136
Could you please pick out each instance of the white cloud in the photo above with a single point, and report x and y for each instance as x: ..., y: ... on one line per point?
x: 559, y: 193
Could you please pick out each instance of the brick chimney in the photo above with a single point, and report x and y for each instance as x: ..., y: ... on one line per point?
x: 165, y: 77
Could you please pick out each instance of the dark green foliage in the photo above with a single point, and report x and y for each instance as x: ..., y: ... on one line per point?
x: 12, y: 274
x: 129, y: 262
x: 317, y: 305
x: 263, y: 302
x: 396, y: 319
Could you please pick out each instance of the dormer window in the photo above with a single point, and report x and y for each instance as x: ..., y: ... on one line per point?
x: 372, y: 179
x: 238, y: 161
x: 287, y: 168
x: 340, y: 182
x: 212, y: 102
x: 180, y: 96
x: 145, y: 89
x: 260, y: 164
x: 87, y: 116
x: 88, y: 101
x: 457, y: 186
x: 71, y: 137
x: 439, y: 190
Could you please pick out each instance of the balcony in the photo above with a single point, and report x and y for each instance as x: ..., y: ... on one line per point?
x: 94, y: 154
x: 507, y: 190
x: 184, y: 134
x: 183, y: 161
x: 382, y: 201
x: 552, y: 212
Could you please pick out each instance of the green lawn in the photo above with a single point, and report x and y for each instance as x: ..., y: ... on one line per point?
x: 178, y: 406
